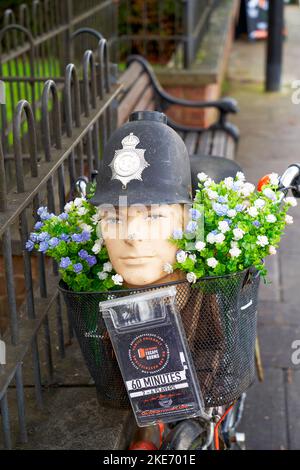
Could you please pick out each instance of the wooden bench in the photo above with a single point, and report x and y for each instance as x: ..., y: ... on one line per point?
x: 141, y: 90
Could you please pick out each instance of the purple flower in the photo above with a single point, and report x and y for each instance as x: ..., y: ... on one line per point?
x: 85, y: 236
x: 223, y: 199
x: 195, y: 214
x: 29, y: 245
x: 65, y: 262
x: 220, y: 209
x: 33, y: 237
x: 191, y: 226
x: 177, y: 234
x: 44, y: 236
x: 229, y: 221
x: 63, y: 216
x: 239, y: 207
x: 77, y: 237
x: 83, y: 254
x: 46, y: 216
x: 215, y: 232
x: 256, y: 223
x: 43, y: 247
x: 53, y: 242
x: 38, y: 225
x: 65, y: 237
x: 77, y: 267
x: 91, y: 260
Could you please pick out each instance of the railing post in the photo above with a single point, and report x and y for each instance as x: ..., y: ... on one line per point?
x: 68, y: 34
x: 188, y: 48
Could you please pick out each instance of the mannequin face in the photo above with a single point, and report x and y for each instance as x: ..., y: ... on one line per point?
x: 137, y: 240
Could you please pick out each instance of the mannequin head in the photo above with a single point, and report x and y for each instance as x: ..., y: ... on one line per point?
x: 137, y: 240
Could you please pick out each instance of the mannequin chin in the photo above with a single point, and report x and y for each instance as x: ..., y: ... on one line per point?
x: 137, y: 241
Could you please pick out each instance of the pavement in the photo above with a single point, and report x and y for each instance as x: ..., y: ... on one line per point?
x: 270, y: 137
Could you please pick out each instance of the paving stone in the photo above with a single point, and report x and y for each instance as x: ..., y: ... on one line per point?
x: 276, y: 345
x: 264, y: 415
x: 293, y: 408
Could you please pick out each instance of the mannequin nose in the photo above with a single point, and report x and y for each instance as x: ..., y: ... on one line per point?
x: 134, y: 231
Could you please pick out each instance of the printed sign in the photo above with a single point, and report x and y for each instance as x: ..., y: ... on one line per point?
x: 153, y: 358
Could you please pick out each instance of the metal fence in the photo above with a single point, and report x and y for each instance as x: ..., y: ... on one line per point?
x: 63, y: 141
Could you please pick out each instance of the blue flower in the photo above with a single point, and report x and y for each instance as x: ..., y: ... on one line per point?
x: 83, y: 254
x: 177, y: 234
x: 223, y: 199
x: 91, y: 260
x: 191, y: 226
x: 44, y: 236
x: 33, y: 237
x: 195, y: 214
x: 41, y: 210
x: 237, y: 185
x: 38, y: 225
x: 256, y: 223
x: 53, y: 242
x: 46, y: 216
x: 64, y: 237
x: 220, y: 209
x: 43, y: 247
x: 215, y: 232
x: 239, y: 207
x: 85, y: 236
x: 229, y: 221
x: 63, y: 216
x: 29, y: 245
x: 77, y: 237
x: 65, y: 262
x: 77, y: 267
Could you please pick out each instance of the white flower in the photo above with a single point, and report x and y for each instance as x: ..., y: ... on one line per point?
x: 118, y: 280
x: 228, y: 182
x: 238, y: 233
x: 167, y: 268
x: 289, y: 219
x: 82, y: 210
x: 191, y: 277
x: 269, y: 193
x: 271, y: 218
x: 78, y: 201
x: 272, y: 250
x: 223, y: 226
x: 291, y: 201
x: 193, y: 257
x: 219, y: 238
x: 200, y: 246
x: 262, y: 240
x: 69, y: 206
x: 235, y: 252
x: 212, y: 262
x: 210, y: 238
x: 247, y: 189
x: 234, y: 244
x: 102, y: 275
x: 181, y: 256
x: 240, y: 176
x: 208, y: 182
x: 252, y: 211
x: 231, y: 213
x: 274, y: 179
x: 202, y: 177
x: 97, y: 246
x: 86, y: 227
x: 107, y: 267
x: 96, y: 218
x: 259, y: 203
x: 212, y: 194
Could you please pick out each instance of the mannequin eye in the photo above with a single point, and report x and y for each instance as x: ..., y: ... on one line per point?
x: 112, y: 220
x: 155, y: 217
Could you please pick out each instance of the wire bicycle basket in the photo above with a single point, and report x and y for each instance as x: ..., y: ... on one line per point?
x: 219, y: 317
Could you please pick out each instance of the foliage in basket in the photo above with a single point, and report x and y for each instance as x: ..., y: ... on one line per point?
x: 241, y: 226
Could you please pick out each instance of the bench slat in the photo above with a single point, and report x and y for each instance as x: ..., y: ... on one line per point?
x: 219, y: 144
x: 145, y: 100
x: 131, y: 99
x: 129, y: 77
x: 191, y: 141
x: 230, y: 148
x: 205, y: 143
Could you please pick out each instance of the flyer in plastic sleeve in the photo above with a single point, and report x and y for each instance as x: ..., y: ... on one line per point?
x: 151, y: 349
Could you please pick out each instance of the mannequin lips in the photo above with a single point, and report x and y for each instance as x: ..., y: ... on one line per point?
x: 135, y: 260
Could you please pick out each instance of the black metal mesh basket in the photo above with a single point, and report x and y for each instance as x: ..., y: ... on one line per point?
x: 219, y: 317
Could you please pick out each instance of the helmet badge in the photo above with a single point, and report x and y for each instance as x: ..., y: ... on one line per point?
x: 129, y: 162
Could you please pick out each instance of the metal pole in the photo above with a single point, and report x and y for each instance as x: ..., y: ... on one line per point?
x: 275, y: 45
